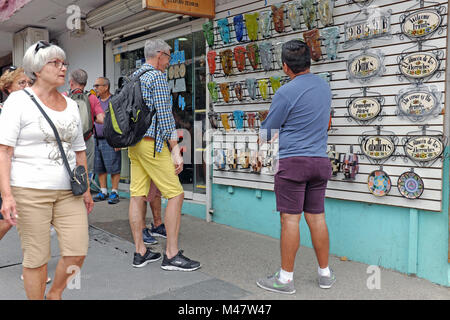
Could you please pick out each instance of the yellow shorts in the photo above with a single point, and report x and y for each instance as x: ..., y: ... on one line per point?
x: 145, y: 168
x: 37, y: 210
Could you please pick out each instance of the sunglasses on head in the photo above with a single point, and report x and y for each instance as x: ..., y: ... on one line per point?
x: 41, y: 44
x: 12, y: 68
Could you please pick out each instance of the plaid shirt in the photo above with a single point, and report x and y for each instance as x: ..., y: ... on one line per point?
x: 156, y: 94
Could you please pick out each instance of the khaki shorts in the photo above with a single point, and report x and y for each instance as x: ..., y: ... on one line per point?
x: 37, y: 210
x: 145, y: 168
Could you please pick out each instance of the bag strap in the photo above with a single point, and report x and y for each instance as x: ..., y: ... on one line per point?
x: 55, y: 131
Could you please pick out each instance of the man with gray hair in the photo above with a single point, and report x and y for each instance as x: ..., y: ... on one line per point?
x: 160, y: 167
x: 90, y: 111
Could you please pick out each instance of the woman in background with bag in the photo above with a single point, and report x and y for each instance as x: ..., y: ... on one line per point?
x: 34, y: 181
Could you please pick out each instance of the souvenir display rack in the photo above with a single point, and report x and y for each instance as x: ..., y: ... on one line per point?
x: 354, y: 170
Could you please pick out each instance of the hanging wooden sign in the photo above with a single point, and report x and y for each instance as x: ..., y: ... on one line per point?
x: 364, y: 108
x: 195, y: 8
x: 377, y: 147
x: 423, y: 148
x: 421, y: 24
x: 365, y: 66
x: 419, y: 103
x: 420, y: 65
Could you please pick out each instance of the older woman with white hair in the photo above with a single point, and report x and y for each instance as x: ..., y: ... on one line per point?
x: 34, y: 182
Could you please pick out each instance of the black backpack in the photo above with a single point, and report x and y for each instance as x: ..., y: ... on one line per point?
x: 127, y: 117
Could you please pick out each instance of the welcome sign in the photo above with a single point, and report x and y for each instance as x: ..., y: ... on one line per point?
x: 195, y: 8
x: 423, y: 148
x: 364, y: 108
x: 421, y: 23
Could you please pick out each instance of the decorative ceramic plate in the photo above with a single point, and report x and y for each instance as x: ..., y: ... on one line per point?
x: 410, y: 185
x: 379, y: 183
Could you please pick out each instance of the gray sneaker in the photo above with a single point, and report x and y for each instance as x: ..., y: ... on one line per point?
x: 327, y: 282
x: 272, y: 283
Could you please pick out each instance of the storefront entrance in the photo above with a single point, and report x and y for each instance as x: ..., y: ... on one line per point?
x: 187, y: 81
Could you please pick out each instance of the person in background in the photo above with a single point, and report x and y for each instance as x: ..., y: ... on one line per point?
x: 158, y: 229
x: 300, y: 112
x: 77, y: 81
x: 33, y: 200
x: 107, y: 158
x: 12, y: 79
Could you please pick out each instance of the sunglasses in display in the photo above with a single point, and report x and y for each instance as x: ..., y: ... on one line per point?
x: 41, y: 44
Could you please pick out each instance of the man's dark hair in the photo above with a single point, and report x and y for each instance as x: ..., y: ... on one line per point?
x: 296, y: 55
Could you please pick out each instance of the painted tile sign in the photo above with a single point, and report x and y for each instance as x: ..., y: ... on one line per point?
x: 419, y: 65
x: 377, y: 147
x: 424, y: 148
x: 195, y: 8
x: 364, y: 108
x: 373, y: 27
x: 421, y: 23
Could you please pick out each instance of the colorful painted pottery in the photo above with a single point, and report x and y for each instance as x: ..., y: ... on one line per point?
x: 239, y: 57
x: 226, y: 58
x: 238, y: 91
x: 212, y: 88
x: 211, y: 57
x: 379, y: 183
x: 265, y: 23
x: 330, y: 37
x: 224, y: 89
x: 262, y: 115
x: 251, y: 87
x: 225, y: 123
x: 224, y: 30
x: 312, y: 39
x: 265, y: 52
x: 253, y: 55
x: 277, y: 51
x: 213, y: 119
x: 309, y: 13
x: 219, y: 159
x: 251, y: 23
x: 238, y: 22
x: 278, y: 17
x: 208, y: 31
x: 251, y: 120
x: 275, y: 83
x: 293, y: 13
x: 263, y: 85
x: 325, y: 10
x: 238, y: 117
x: 410, y: 185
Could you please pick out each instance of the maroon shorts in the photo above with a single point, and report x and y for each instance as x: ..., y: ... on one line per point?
x: 300, y: 184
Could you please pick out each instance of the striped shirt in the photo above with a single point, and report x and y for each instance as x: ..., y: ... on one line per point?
x: 156, y: 94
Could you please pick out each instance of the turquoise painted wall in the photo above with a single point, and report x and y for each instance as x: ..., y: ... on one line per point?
x: 368, y: 233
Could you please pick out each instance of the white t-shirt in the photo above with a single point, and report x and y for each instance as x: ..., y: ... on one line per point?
x: 37, y: 161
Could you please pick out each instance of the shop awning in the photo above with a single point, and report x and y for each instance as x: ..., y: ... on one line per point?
x: 121, y: 18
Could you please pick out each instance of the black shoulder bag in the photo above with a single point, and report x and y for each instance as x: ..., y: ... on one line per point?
x: 78, y: 177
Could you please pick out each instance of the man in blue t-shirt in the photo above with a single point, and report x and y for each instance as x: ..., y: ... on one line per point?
x: 300, y: 113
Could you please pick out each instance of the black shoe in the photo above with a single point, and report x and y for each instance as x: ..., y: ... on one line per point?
x: 141, y: 261
x: 179, y: 263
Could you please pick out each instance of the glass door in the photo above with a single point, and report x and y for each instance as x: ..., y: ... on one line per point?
x: 187, y: 81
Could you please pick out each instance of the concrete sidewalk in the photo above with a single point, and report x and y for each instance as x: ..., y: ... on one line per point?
x: 232, y: 260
